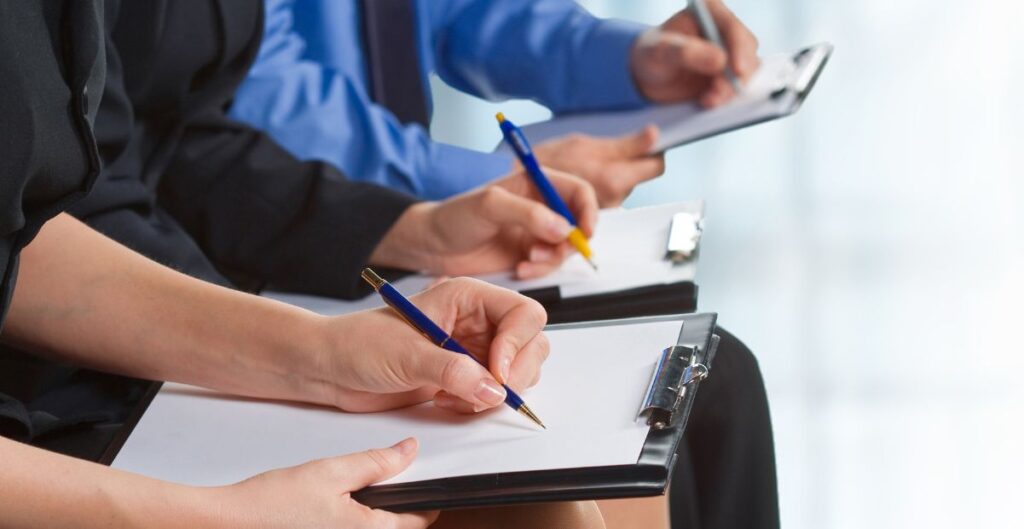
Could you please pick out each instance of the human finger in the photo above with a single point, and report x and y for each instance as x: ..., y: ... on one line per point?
x: 579, y: 196
x: 718, y: 92
x: 447, y: 401
x: 359, y: 470
x: 527, y: 366
x: 458, y: 374
x: 518, y: 325
x: 694, y: 54
x: 740, y: 41
x: 639, y: 170
x: 635, y: 144
x: 534, y: 269
x: 505, y: 208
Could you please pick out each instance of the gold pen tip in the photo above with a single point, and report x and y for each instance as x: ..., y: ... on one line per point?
x: 501, y: 117
x: 592, y: 264
x: 525, y: 410
x: 372, y: 278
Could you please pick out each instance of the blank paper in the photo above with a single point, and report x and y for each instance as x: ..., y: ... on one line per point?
x: 589, y: 395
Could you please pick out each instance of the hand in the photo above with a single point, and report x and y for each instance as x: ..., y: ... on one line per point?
x: 318, y: 494
x: 502, y: 226
x: 614, y: 166
x: 674, y: 62
x: 376, y: 361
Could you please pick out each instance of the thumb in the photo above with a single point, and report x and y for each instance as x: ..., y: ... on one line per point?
x: 363, y: 469
x: 459, y: 375
x: 638, y: 143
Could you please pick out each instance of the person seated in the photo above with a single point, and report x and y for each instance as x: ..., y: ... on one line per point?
x: 188, y: 186
x: 84, y: 299
x: 321, y: 85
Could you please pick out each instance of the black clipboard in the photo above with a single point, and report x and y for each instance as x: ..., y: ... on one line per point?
x: 652, y: 300
x: 648, y: 301
x: 666, y: 407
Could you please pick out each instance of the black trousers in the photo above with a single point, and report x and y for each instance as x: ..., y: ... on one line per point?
x: 725, y: 476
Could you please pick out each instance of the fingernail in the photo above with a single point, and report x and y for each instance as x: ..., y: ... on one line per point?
x: 541, y: 254
x: 489, y: 392
x: 559, y: 227
x: 503, y: 368
x: 406, y: 447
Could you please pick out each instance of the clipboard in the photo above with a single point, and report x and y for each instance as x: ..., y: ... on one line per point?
x: 777, y: 90
x: 665, y: 407
x: 681, y: 249
x: 162, y: 448
x: 638, y: 275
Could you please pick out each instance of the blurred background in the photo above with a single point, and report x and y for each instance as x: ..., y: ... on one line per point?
x: 870, y: 250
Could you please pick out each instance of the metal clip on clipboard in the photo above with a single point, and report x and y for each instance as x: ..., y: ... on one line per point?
x: 808, y: 64
x: 679, y: 368
x: 684, y: 236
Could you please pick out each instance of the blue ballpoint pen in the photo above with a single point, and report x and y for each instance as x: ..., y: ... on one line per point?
x: 413, y: 316
x: 515, y: 138
x: 710, y: 31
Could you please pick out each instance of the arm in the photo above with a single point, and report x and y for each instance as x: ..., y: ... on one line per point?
x: 44, y: 489
x: 75, y: 283
x: 551, y: 51
x: 259, y: 213
x: 84, y: 299
x: 318, y: 112
x: 557, y: 53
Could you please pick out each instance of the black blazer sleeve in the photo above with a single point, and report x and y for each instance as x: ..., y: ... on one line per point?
x: 267, y: 219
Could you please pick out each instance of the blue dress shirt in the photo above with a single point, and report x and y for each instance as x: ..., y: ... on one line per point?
x: 308, y: 87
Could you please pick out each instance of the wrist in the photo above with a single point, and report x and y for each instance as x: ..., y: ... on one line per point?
x: 647, y: 48
x: 412, y: 241
x: 281, y: 350
x: 307, y: 356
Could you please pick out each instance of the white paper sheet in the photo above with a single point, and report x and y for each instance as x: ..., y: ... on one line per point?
x: 684, y: 122
x: 629, y: 248
x: 589, y: 395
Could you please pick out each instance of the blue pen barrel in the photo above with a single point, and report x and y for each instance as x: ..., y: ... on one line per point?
x: 415, y: 317
x: 436, y: 334
x: 518, y: 142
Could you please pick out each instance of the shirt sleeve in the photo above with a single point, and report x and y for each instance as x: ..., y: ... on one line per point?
x: 318, y: 113
x: 551, y: 51
x: 262, y: 215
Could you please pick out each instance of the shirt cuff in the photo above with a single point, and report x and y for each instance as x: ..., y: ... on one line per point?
x: 603, y: 79
x: 451, y: 170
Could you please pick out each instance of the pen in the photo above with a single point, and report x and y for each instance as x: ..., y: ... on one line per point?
x: 515, y: 139
x: 710, y: 31
x: 413, y: 316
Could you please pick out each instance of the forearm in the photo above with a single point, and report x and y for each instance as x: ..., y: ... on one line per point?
x: 43, y: 489
x: 87, y: 300
x: 551, y: 51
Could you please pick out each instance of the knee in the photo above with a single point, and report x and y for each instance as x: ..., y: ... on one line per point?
x: 735, y: 389
x: 737, y: 360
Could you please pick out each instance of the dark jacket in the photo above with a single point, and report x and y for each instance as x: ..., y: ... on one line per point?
x: 51, y: 75
x: 260, y: 216
x: 51, y: 78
